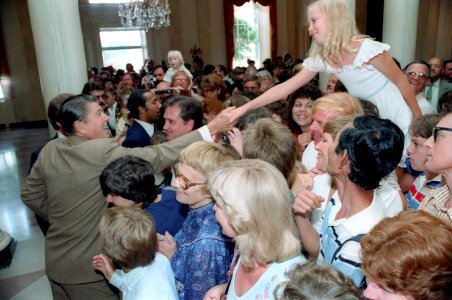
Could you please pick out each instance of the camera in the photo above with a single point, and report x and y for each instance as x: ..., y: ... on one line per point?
x: 162, y: 92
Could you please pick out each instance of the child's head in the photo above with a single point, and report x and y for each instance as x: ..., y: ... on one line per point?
x: 420, y: 130
x: 332, y: 26
x: 175, y: 59
x: 128, y: 181
x: 128, y: 236
x: 313, y: 281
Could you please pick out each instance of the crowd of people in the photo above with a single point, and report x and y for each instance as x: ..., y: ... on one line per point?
x: 198, y: 182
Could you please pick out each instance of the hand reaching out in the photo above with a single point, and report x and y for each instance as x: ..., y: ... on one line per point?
x: 104, y: 264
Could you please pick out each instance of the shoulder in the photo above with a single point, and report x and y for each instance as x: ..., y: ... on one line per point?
x: 369, y: 49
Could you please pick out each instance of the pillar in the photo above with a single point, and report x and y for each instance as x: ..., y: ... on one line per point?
x: 58, y: 40
x: 400, y: 28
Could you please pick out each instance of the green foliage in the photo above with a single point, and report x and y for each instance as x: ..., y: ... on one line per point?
x: 244, y: 35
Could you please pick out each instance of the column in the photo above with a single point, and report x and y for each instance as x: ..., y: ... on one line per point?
x: 400, y: 28
x: 57, y: 35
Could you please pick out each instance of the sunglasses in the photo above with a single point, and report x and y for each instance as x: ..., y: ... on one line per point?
x: 437, y: 129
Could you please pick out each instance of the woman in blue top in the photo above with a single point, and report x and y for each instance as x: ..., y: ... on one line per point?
x: 200, y: 254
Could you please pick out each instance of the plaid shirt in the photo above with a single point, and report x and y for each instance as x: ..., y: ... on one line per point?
x: 434, y: 204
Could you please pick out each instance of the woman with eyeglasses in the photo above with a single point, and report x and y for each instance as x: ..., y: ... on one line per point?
x: 182, y: 84
x: 200, y: 254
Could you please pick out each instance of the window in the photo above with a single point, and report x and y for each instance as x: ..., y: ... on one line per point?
x: 120, y: 47
x: 107, y: 1
x: 251, y: 33
x: 2, y: 97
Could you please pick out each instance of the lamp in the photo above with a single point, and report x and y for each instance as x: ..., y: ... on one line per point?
x: 145, y: 14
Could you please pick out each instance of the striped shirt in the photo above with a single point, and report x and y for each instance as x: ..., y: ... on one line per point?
x: 435, y: 203
x: 421, y: 188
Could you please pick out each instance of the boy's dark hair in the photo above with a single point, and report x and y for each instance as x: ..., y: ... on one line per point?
x: 131, y: 178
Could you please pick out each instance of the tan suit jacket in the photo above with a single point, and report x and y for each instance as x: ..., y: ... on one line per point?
x: 63, y: 187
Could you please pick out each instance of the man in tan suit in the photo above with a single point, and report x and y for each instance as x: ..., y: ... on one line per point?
x: 63, y: 188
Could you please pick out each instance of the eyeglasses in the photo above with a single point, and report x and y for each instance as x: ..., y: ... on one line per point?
x: 419, y: 74
x: 185, y: 184
x: 180, y: 79
x: 437, y: 129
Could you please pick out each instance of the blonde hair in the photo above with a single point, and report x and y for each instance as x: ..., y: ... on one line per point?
x: 128, y: 236
x: 341, y: 30
x: 333, y: 126
x: 205, y: 157
x: 255, y: 198
x: 343, y: 104
x: 176, y: 54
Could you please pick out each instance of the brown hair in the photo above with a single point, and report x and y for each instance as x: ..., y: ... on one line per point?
x: 213, y: 82
x: 423, y: 126
x: 271, y: 142
x: 128, y: 236
x: 410, y: 254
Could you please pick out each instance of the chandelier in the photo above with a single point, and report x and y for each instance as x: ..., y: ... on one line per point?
x: 145, y: 14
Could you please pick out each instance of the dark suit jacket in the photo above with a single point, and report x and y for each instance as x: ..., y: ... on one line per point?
x: 136, y: 137
x: 63, y: 187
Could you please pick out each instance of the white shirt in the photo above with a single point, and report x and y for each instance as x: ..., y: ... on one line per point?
x: 154, y: 281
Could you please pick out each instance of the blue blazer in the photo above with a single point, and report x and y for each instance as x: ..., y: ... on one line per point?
x: 136, y: 137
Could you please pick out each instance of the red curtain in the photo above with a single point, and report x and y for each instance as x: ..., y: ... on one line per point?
x: 228, y: 9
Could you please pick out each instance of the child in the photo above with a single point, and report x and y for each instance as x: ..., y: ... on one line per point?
x: 176, y: 63
x: 130, y: 241
x: 420, y: 130
x: 363, y: 65
x: 316, y: 281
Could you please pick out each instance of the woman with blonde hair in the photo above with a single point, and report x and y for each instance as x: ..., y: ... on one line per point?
x: 256, y: 212
x: 200, y: 254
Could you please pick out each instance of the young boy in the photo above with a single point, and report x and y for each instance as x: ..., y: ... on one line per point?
x: 176, y: 63
x: 421, y: 130
x: 130, y: 241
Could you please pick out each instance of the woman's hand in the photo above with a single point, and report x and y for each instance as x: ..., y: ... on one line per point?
x: 306, y: 202
x: 216, y: 293
x: 236, y: 140
x: 166, y: 245
x: 304, y: 139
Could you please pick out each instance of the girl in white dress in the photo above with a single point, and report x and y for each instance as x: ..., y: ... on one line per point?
x: 363, y: 65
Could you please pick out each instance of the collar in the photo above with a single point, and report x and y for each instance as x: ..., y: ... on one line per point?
x: 148, y: 127
x: 363, y: 221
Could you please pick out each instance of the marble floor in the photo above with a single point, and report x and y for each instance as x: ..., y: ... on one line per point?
x: 25, y: 278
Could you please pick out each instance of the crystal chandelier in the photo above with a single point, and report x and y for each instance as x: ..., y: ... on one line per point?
x: 145, y: 14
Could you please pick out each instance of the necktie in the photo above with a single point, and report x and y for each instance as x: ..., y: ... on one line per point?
x: 428, y: 93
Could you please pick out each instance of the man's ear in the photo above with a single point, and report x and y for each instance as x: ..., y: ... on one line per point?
x: 79, y: 127
x: 141, y: 110
x: 191, y: 124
